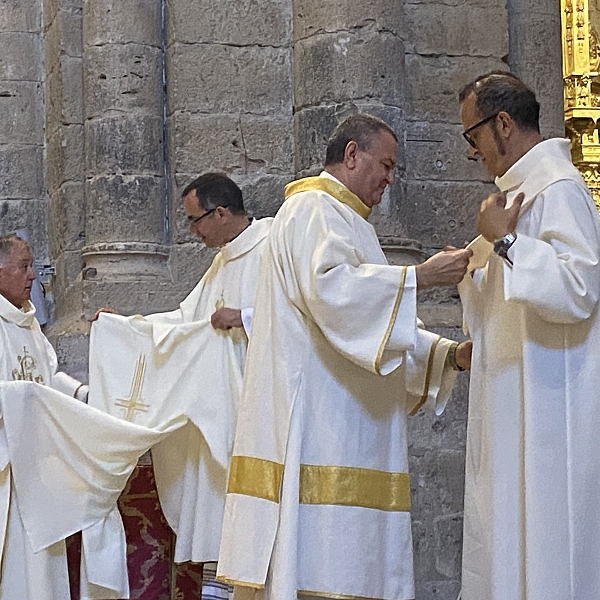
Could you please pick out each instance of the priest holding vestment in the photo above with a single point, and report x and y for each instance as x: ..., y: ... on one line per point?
x: 531, y: 516
x: 318, y: 494
x: 190, y: 480
x: 26, y: 355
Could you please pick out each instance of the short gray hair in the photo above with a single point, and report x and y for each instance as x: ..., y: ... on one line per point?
x: 7, y: 242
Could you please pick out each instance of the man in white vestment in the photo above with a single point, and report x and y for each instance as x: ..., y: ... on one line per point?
x: 531, y: 515
x: 190, y: 483
x: 318, y: 493
x: 26, y: 355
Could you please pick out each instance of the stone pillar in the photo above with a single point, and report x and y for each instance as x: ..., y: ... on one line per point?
x: 64, y: 151
x: 229, y: 82
x: 22, y: 197
x: 535, y: 55
x: 125, y: 254
x: 348, y: 57
x: 65, y: 176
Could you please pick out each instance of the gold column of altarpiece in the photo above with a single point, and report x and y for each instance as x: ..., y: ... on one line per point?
x: 581, y: 59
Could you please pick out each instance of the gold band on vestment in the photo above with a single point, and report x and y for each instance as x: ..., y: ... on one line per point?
x: 333, y: 188
x: 354, y: 486
x: 338, y: 596
x: 390, y: 326
x: 227, y: 581
x: 427, y: 377
x: 322, y: 484
x: 255, y: 477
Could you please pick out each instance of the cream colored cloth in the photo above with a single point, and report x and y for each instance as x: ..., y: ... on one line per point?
x: 68, y: 464
x: 532, y: 519
x: 25, y: 356
x: 319, y: 492
x: 191, y: 369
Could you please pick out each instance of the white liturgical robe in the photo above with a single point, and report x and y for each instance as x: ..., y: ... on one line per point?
x: 318, y: 493
x: 192, y: 369
x: 33, y: 525
x: 532, y: 515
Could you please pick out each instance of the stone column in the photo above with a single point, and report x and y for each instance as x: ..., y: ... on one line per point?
x: 125, y: 254
x: 348, y: 57
x: 229, y: 82
x: 22, y: 197
x: 534, y: 55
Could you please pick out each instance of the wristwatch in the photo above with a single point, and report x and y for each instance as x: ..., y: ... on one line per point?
x: 502, y: 246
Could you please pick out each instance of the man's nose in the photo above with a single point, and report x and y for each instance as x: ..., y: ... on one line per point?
x: 390, y: 177
x: 472, y: 153
x: 31, y: 274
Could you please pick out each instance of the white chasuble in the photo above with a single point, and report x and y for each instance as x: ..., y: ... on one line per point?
x: 26, y: 355
x: 532, y: 516
x: 318, y: 493
x: 192, y: 369
x: 69, y: 464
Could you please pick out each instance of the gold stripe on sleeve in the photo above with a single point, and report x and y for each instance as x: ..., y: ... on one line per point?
x: 255, y: 477
x: 336, y: 190
x: 427, y: 377
x: 354, y: 486
x: 388, y: 332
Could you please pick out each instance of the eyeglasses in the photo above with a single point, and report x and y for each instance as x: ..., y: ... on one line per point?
x: 466, y: 132
x: 198, y: 219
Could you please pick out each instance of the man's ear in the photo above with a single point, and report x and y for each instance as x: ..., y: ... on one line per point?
x: 504, y: 123
x: 350, y: 154
x: 222, y: 211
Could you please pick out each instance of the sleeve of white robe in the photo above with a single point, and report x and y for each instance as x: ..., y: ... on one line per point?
x: 367, y: 312
x: 561, y: 257
x: 60, y: 381
x: 429, y: 380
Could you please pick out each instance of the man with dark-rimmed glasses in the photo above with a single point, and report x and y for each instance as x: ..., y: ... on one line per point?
x: 531, y: 516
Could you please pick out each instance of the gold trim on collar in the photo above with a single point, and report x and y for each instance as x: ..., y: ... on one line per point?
x: 338, y: 191
x: 427, y: 377
x: 388, y: 332
x: 255, y: 477
x: 354, y: 486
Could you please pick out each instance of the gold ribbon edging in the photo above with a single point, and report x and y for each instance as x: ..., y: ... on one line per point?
x: 427, y: 377
x: 333, y: 188
x: 255, y: 477
x: 354, y: 486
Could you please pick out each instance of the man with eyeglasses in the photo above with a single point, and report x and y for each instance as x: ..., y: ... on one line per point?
x: 531, y: 515
x: 191, y: 485
x: 318, y: 500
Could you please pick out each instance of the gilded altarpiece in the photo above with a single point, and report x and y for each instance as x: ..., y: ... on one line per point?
x: 581, y: 62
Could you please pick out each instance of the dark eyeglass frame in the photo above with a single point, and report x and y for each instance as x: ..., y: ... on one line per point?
x: 198, y: 219
x: 466, y: 132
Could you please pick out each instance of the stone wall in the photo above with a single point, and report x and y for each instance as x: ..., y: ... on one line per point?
x: 108, y: 108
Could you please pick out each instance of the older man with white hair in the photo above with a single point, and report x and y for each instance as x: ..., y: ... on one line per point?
x: 26, y: 355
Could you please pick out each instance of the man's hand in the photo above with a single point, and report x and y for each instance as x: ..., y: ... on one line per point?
x: 444, y: 268
x: 463, y: 354
x: 494, y: 220
x: 110, y: 311
x: 226, y: 318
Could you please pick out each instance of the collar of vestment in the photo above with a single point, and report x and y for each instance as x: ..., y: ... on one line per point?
x: 546, y: 163
x: 248, y: 239
x: 327, y: 183
x: 9, y: 312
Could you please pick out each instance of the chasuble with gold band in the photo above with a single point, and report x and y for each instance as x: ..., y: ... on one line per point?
x: 318, y: 495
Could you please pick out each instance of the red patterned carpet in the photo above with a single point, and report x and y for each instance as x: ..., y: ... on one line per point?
x: 150, y: 542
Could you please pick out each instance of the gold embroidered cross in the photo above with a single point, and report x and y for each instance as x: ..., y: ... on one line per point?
x: 132, y: 402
